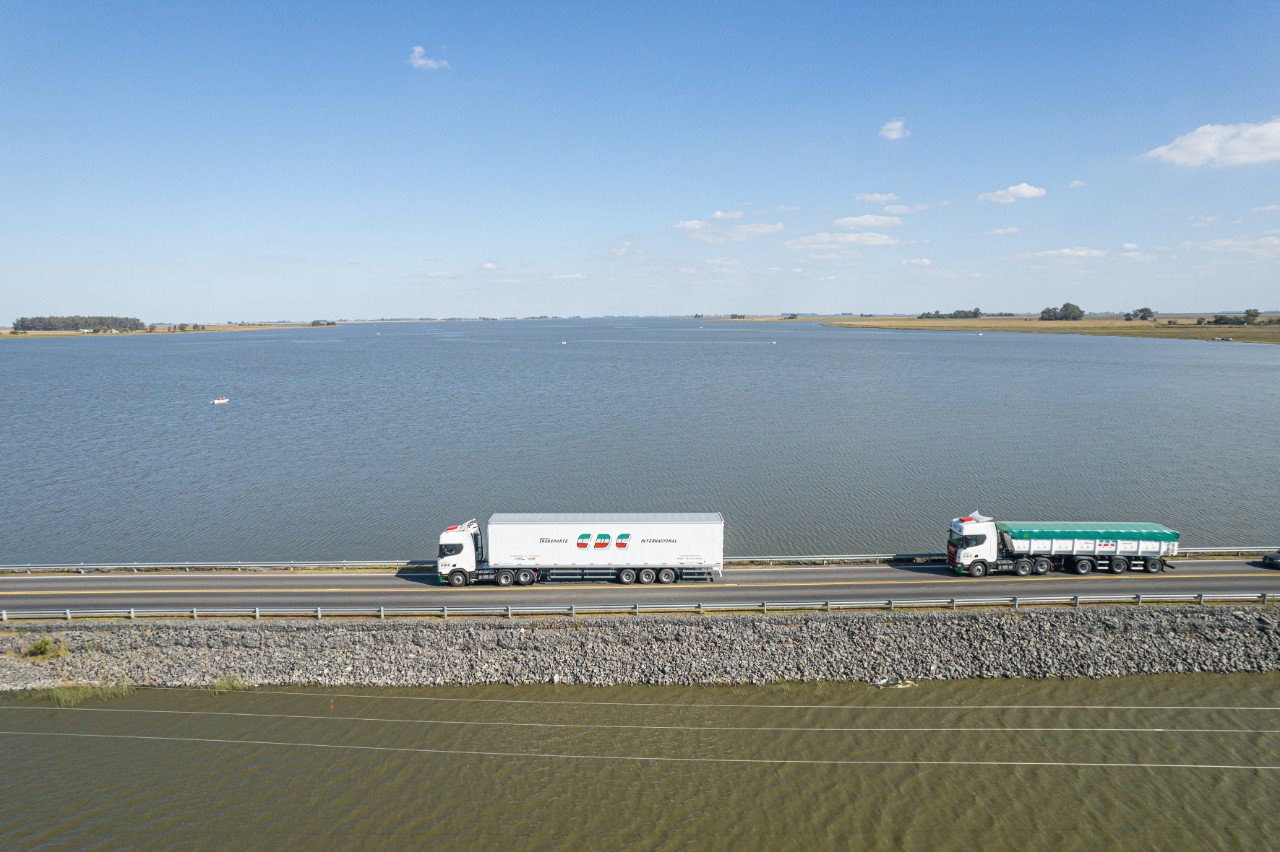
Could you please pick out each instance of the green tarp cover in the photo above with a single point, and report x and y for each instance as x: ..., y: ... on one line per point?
x: 1103, y: 532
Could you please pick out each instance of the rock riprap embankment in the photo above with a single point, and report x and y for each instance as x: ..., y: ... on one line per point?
x: 1093, y: 642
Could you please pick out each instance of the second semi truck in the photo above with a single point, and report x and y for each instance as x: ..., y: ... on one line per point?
x: 978, y: 545
x: 523, y: 549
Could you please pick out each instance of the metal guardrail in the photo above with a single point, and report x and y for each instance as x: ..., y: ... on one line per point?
x: 429, y: 564
x: 573, y: 610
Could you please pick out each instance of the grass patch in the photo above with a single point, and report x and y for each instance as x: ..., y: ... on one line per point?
x: 45, y: 648
x: 230, y: 683
x: 74, y: 694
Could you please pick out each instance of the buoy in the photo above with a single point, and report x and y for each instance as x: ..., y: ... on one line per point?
x: 564, y: 343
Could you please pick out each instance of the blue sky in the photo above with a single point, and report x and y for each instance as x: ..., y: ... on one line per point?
x: 259, y: 161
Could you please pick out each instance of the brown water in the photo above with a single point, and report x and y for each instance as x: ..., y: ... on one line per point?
x: 1170, y: 762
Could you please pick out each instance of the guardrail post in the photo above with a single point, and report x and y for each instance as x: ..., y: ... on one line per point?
x: 257, y: 613
x: 764, y: 608
x: 828, y: 607
x: 1264, y: 598
x: 1015, y: 602
x: 444, y: 613
x: 194, y: 615
x: 1077, y: 600
x: 131, y: 615
x: 637, y: 610
x: 68, y: 615
x: 700, y: 608
x: 1139, y: 597
x: 573, y: 611
x: 953, y: 603
x: 317, y: 613
x: 509, y: 615
x: 382, y: 612
x: 1202, y: 599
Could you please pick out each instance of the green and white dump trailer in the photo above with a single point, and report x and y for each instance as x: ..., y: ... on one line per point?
x: 979, y: 545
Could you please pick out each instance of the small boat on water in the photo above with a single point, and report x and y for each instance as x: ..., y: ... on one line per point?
x: 222, y: 400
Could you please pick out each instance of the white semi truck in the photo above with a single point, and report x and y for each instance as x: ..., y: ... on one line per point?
x: 979, y: 545
x: 523, y: 549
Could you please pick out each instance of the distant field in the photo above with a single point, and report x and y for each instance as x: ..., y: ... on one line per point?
x: 1186, y: 328
x: 160, y: 329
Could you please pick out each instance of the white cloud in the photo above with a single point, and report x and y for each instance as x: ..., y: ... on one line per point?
x: 830, y: 246
x: 1267, y: 208
x: 918, y: 261
x: 1003, y: 232
x: 1223, y: 145
x: 722, y: 261
x: 418, y: 59
x: 1129, y: 246
x: 786, y: 208
x: 877, y: 197
x: 1263, y: 247
x: 1137, y: 256
x: 1064, y: 253
x: 488, y: 266
x: 898, y: 209
x: 1013, y: 193
x: 1075, y: 184
x: 868, y: 221
x: 691, y: 225
x: 896, y: 129
x: 727, y: 214
x: 708, y: 233
x: 569, y: 276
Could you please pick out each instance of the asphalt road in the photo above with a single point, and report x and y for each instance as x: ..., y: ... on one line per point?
x: 740, y: 585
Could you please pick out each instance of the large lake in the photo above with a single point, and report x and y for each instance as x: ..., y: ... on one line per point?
x: 363, y: 441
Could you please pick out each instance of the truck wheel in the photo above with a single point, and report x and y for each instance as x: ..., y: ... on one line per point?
x: 1119, y: 565
x: 505, y: 577
x: 1022, y: 567
x: 1041, y: 567
x: 627, y: 576
x: 1083, y: 566
x: 667, y: 576
x: 978, y: 569
x: 647, y: 576
x: 457, y: 579
x: 525, y: 577
x: 1155, y: 565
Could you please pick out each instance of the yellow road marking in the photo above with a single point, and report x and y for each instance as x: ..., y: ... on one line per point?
x: 419, y: 588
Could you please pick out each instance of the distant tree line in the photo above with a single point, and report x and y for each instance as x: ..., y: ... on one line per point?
x: 318, y: 323
x: 1067, y: 312
x: 1251, y: 317
x: 78, y: 323
x: 976, y: 313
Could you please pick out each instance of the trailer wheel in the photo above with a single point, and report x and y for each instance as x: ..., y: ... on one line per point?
x: 1155, y: 565
x: 647, y: 576
x: 978, y: 569
x: 667, y: 576
x: 1041, y: 567
x: 1022, y: 567
x: 1083, y: 565
x: 627, y: 576
x: 525, y: 577
x: 1119, y: 565
x: 458, y: 579
x: 505, y: 577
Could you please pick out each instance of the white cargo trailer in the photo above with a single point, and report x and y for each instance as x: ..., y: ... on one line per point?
x: 631, y: 548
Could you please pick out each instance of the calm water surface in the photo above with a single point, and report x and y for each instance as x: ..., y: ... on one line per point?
x: 362, y: 442
x: 1191, y: 761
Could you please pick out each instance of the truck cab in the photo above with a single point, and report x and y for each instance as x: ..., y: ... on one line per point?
x: 973, y: 538
x: 461, y: 553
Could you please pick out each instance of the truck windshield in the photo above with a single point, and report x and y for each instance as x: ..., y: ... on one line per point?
x: 450, y: 550
x: 960, y: 542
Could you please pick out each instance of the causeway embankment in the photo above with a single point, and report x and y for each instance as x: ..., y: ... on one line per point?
x: 1089, y: 642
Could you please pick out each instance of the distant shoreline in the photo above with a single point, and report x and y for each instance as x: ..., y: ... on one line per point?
x: 160, y: 330
x: 1184, y: 329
